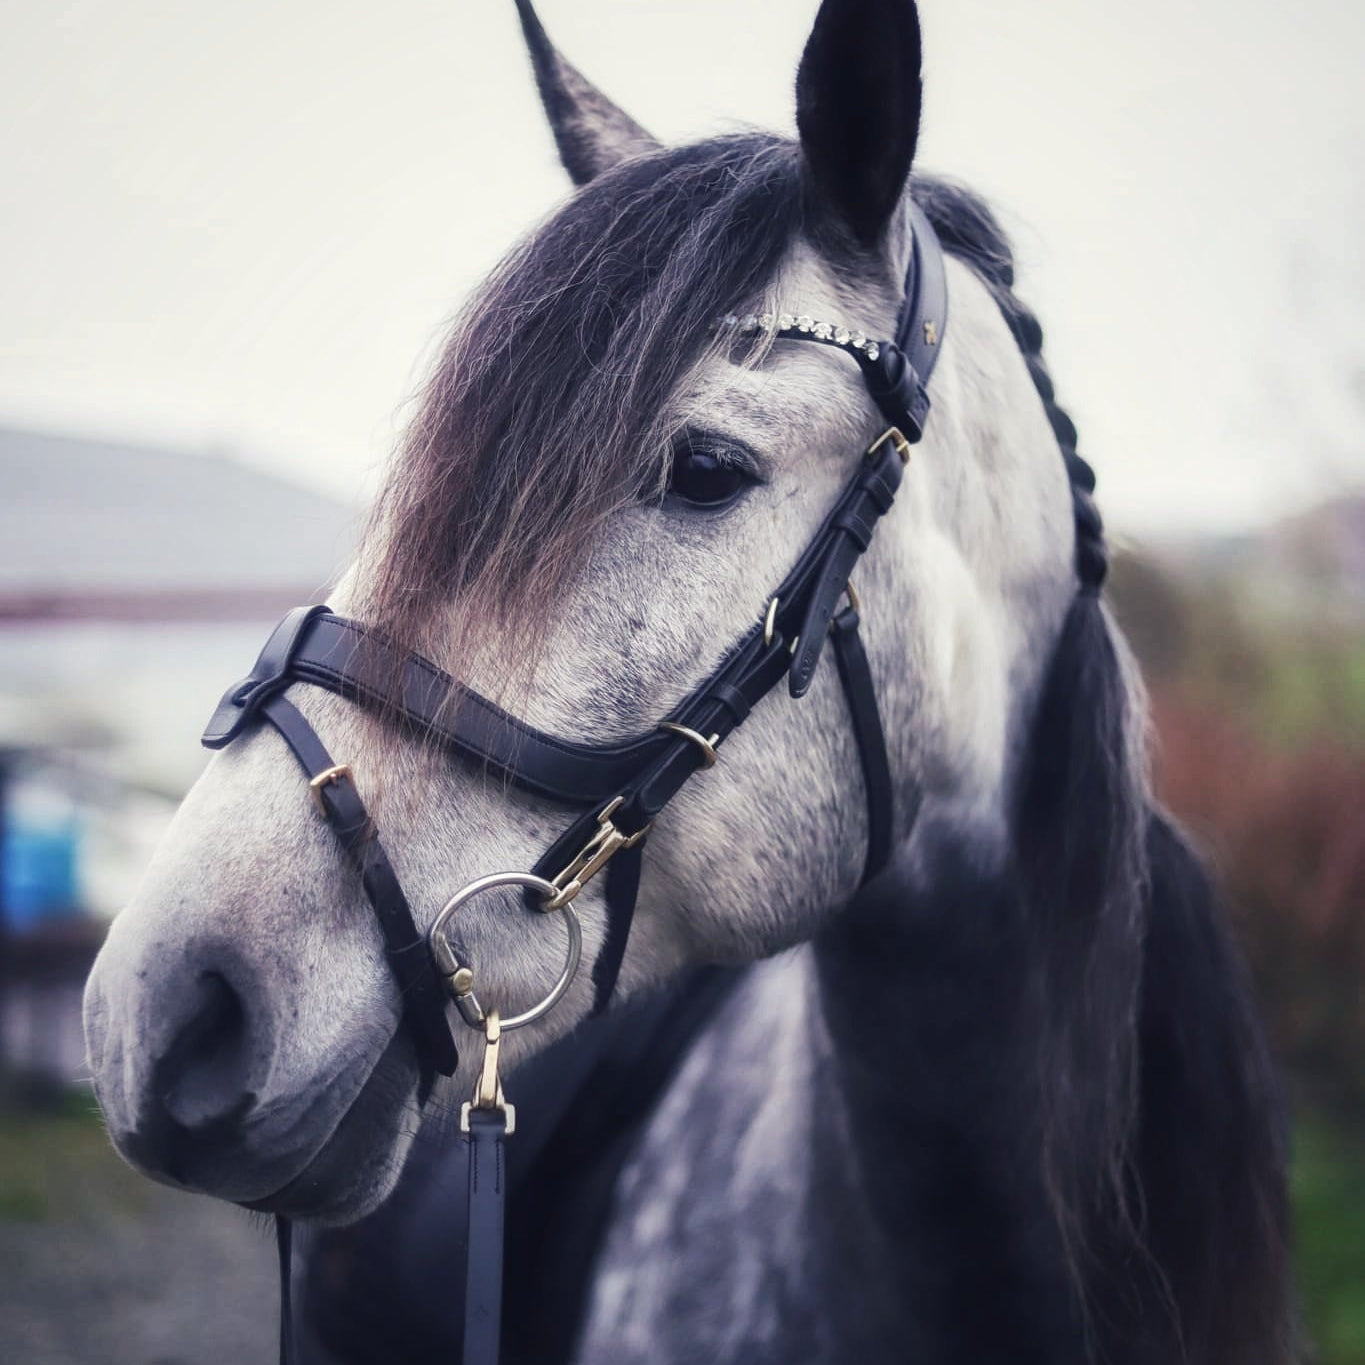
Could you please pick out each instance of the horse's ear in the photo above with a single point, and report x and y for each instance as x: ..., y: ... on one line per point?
x: 858, y: 110
x: 591, y: 132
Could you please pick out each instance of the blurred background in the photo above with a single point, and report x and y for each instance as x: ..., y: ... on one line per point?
x: 233, y: 239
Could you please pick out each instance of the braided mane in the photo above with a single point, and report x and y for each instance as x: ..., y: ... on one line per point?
x: 1176, y: 1249
x: 969, y: 230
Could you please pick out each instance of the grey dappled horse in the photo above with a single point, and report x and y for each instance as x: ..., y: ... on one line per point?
x: 1009, y: 1103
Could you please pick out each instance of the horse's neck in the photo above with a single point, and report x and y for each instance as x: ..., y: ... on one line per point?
x: 845, y: 1138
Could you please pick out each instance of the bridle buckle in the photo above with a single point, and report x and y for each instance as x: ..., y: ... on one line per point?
x: 606, y: 842
x: 338, y: 772
x: 897, y: 438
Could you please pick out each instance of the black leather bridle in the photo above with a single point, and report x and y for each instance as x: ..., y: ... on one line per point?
x: 619, y: 789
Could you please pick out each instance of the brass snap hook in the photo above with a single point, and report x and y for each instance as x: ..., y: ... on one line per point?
x: 488, y: 1092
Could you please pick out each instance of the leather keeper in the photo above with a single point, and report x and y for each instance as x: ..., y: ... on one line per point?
x: 270, y: 674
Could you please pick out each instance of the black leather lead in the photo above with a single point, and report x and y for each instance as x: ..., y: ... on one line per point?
x: 284, y: 1246
x: 482, y: 1150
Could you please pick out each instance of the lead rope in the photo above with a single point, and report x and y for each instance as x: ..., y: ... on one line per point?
x: 284, y: 1244
x: 486, y: 1122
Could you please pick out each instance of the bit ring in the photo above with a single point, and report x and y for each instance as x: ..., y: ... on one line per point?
x: 446, y: 962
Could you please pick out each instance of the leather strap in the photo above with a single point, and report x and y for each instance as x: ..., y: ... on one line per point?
x: 856, y: 677
x: 284, y: 1246
x: 313, y: 645
x: 419, y: 988
x: 623, y: 890
x: 482, y: 1151
x: 924, y: 311
x: 850, y: 533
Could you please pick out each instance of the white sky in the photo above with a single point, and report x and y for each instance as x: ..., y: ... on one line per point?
x: 244, y: 224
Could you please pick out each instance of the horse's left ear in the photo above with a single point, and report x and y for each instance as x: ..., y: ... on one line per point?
x: 858, y: 110
x: 591, y: 132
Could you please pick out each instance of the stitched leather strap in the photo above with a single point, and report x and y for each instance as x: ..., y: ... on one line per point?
x: 482, y: 1151
x: 313, y: 645
x: 856, y: 676
x: 284, y: 1247
x: 418, y: 985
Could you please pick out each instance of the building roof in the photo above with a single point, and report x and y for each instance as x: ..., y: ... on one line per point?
x: 97, y: 528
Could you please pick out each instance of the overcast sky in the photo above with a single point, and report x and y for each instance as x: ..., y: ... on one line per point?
x: 243, y: 225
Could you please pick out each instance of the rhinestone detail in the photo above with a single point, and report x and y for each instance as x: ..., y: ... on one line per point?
x: 803, y: 325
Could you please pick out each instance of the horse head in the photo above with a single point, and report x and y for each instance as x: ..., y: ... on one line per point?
x: 597, y: 499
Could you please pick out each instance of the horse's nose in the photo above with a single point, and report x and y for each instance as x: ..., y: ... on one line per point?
x: 200, y: 1080
x: 190, y: 1123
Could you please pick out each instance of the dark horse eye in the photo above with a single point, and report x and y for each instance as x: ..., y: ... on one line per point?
x: 705, y: 478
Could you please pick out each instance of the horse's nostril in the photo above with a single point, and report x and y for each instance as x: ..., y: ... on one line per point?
x: 201, y: 1079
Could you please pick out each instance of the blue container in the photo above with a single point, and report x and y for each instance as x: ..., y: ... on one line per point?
x: 38, y: 873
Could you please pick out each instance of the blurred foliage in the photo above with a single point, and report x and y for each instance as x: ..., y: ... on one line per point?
x: 1258, y: 702
x: 1328, y: 1186
x: 1260, y: 750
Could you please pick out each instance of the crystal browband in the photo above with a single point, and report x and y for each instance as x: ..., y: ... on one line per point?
x: 802, y: 325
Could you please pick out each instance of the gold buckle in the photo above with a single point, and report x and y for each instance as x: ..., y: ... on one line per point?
x: 705, y: 744
x: 897, y: 437
x: 770, y: 624
x: 338, y: 772
x: 606, y: 842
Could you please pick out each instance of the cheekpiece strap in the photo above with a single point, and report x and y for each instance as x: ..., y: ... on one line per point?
x: 334, y: 791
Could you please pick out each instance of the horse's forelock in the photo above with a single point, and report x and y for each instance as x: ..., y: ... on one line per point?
x: 549, y: 408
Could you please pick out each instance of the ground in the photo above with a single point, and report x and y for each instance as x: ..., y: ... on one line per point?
x: 99, y: 1265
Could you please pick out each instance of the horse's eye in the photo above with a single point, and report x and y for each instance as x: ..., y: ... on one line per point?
x: 706, y: 478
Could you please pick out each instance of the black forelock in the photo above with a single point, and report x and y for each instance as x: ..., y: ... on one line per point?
x: 558, y: 375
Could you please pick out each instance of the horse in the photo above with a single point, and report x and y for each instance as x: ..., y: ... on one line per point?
x: 1007, y: 1098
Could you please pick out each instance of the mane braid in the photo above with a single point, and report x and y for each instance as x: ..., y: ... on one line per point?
x: 968, y: 230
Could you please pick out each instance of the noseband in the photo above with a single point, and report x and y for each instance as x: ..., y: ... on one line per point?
x: 619, y: 789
